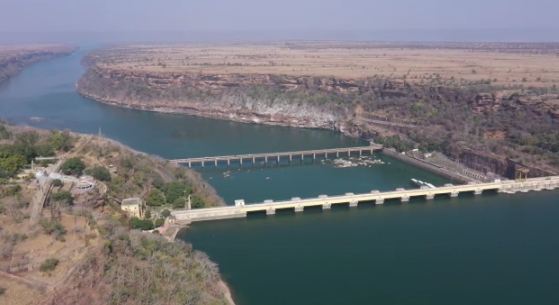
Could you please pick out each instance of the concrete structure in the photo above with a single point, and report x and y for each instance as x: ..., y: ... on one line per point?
x: 134, y: 207
x: 240, y: 209
x: 276, y: 157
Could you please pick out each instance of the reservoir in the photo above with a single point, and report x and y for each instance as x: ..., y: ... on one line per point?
x: 491, y: 249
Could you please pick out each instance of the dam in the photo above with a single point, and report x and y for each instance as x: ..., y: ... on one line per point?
x: 241, y: 209
x: 278, y: 156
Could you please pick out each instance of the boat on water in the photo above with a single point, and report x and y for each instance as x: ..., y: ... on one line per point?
x: 420, y: 183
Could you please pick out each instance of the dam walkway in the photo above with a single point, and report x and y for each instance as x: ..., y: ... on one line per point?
x: 240, y: 209
x: 279, y: 156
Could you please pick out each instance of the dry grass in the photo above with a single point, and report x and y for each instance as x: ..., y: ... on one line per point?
x: 341, y: 61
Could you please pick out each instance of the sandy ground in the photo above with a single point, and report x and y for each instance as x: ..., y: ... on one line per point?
x: 342, y: 61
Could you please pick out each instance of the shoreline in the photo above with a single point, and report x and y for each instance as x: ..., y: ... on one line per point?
x: 433, y: 168
x: 226, y: 291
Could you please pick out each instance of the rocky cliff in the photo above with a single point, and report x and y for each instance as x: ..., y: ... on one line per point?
x: 434, y: 116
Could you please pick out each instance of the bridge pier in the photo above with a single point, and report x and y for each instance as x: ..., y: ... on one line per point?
x: 299, y: 209
x: 478, y: 192
x: 430, y: 196
x: 353, y: 204
x: 379, y: 201
x: 405, y: 199
x: 271, y: 211
x: 453, y: 194
x: 326, y: 206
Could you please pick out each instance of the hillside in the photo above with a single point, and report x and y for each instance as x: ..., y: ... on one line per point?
x: 493, y: 107
x: 13, y: 59
x: 66, y: 244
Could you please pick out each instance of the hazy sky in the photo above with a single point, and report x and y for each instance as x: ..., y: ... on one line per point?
x: 525, y: 19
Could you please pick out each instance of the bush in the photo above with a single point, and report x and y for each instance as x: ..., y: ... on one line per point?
x: 10, y: 164
x: 73, y: 166
x: 57, y: 183
x: 165, y: 213
x: 60, y: 140
x: 53, y: 227
x: 159, y: 222
x: 63, y: 197
x: 197, y: 202
x: 49, y: 265
x: 175, y: 190
x: 179, y: 203
x: 141, y: 224
x: 100, y: 173
x: 2, y: 291
x: 155, y: 198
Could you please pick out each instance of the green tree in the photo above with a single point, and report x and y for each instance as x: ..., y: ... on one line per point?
x: 141, y: 224
x: 10, y: 165
x: 197, y: 202
x: 179, y: 203
x: 63, y: 197
x: 57, y: 183
x: 165, y: 213
x: 159, y: 222
x: 60, y: 140
x: 73, y: 166
x: 100, y: 173
x: 155, y: 198
x: 176, y: 189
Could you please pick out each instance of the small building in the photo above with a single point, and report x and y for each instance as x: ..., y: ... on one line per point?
x: 133, y: 206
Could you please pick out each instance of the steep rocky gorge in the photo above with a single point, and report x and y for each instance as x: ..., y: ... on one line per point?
x: 464, y: 121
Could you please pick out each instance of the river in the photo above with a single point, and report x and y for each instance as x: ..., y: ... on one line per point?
x: 492, y: 249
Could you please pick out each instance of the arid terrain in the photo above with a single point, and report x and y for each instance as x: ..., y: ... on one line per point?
x: 63, y: 245
x: 13, y: 59
x: 492, y: 107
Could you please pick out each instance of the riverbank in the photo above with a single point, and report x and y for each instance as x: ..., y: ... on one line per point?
x: 13, y: 59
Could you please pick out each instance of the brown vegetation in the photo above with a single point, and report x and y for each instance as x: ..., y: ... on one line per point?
x: 81, y: 250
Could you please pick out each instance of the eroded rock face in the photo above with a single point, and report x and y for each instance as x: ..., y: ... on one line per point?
x: 430, y: 113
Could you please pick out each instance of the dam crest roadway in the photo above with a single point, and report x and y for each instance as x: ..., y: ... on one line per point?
x: 240, y: 209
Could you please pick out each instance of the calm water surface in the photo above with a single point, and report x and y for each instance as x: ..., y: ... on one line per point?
x: 485, y: 250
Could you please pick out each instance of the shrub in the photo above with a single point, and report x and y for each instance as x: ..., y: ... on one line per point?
x: 53, y: 227
x: 165, y: 213
x: 141, y: 224
x: 100, y: 173
x: 60, y: 140
x: 197, y: 202
x: 155, y: 198
x: 179, y: 203
x: 57, y: 183
x: 2, y: 291
x: 176, y: 189
x: 73, y: 166
x: 63, y: 197
x: 49, y: 265
x: 10, y: 164
x: 159, y: 222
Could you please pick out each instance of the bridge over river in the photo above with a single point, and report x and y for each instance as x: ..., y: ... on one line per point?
x: 240, y: 209
x: 278, y: 156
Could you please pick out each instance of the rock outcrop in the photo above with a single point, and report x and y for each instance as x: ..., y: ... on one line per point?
x: 433, y: 116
